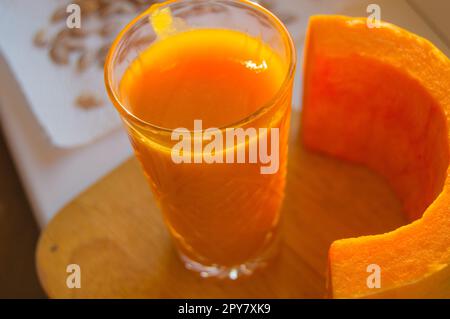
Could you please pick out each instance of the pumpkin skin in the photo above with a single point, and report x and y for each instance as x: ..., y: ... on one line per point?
x: 380, y: 97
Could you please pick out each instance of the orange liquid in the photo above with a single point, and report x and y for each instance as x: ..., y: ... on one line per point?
x: 218, y: 214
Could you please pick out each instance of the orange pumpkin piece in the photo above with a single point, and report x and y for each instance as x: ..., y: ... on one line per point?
x: 380, y: 97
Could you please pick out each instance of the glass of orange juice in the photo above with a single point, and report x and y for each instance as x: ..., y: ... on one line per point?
x: 204, y: 88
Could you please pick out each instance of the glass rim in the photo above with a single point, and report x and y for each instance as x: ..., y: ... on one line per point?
x: 265, y: 107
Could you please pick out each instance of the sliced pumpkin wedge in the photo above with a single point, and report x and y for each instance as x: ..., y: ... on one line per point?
x: 380, y: 97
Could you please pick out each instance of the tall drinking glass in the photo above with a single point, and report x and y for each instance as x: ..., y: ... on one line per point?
x: 204, y: 89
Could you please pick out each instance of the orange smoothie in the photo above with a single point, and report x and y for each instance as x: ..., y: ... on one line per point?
x: 219, y: 214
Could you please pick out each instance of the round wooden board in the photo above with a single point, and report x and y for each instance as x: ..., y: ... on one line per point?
x: 115, y: 233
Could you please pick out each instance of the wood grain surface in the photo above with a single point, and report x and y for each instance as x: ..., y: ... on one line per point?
x: 115, y: 232
x: 18, y: 234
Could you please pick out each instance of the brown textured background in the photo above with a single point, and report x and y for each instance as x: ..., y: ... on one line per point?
x: 18, y: 235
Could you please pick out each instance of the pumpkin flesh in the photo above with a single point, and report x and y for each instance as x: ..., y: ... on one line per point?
x: 379, y: 97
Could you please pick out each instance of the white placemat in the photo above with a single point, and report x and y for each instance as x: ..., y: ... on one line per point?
x: 51, y: 90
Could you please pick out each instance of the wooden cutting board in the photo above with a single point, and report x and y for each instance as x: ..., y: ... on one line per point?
x: 115, y: 233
